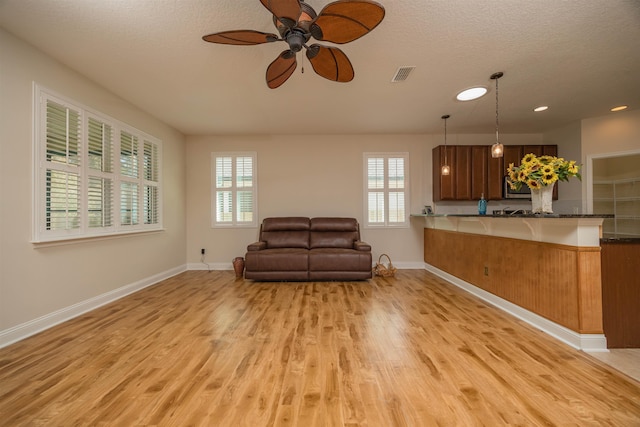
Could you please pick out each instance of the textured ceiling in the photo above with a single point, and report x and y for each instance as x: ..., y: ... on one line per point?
x: 580, y: 57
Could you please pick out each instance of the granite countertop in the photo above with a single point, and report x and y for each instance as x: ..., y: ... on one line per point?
x: 620, y: 240
x: 516, y: 215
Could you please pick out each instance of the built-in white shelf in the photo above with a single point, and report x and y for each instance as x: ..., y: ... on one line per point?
x: 620, y: 198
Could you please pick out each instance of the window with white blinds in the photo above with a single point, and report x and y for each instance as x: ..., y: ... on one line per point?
x: 386, y: 183
x: 234, y: 189
x: 79, y: 182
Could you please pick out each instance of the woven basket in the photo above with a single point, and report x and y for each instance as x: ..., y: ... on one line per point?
x: 384, y: 270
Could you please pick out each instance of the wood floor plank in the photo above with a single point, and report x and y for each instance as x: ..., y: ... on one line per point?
x: 203, y: 348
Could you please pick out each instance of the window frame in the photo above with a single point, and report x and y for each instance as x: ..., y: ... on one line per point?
x: 386, y: 190
x: 234, y: 189
x: 88, y: 194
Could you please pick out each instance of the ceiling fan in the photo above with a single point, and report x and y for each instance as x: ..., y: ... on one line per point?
x: 339, y: 22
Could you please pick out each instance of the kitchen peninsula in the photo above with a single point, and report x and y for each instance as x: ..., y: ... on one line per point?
x: 544, y: 269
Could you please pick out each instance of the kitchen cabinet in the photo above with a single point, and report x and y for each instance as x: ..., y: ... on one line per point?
x: 479, y: 172
x: 621, y: 292
x: 474, y: 172
x: 462, y: 172
x: 443, y: 185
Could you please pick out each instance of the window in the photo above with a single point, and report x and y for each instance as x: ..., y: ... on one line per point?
x: 234, y: 190
x: 79, y: 182
x: 386, y: 180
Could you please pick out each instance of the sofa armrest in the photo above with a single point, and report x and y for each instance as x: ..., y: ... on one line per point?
x: 257, y: 246
x: 361, y: 246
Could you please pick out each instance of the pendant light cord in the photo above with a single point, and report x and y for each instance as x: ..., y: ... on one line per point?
x: 497, y: 140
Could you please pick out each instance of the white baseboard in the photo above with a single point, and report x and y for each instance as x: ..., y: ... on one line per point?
x: 228, y: 266
x: 211, y: 266
x: 585, y: 342
x: 32, y: 327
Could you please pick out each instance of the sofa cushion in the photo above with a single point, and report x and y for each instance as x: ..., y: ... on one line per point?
x: 285, y: 232
x: 277, y: 260
x: 332, y: 239
x: 296, y: 223
x: 286, y: 239
x: 333, y: 259
x: 334, y: 224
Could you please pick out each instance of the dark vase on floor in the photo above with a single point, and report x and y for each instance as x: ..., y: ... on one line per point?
x: 238, y: 266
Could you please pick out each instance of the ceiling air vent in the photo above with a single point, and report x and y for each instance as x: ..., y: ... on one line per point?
x: 402, y: 74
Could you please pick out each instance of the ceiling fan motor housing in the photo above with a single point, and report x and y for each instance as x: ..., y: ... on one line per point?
x: 296, y: 39
x: 299, y: 33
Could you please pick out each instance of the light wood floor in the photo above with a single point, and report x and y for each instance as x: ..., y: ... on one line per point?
x: 205, y: 349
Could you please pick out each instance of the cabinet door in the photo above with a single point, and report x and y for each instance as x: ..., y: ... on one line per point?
x: 550, y: 150
x: 495, y: 175
x: 512, y: 154
x: 462, y: 172
x: 479, y: 172
x: 535, y: 149
x: 443, y: 185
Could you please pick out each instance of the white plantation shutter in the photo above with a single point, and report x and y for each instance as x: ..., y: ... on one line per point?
x: 234, y: 189
x: 128, y: 154
x: 100, y: 186
x: 244, y: 184
x: 386, y: 189
x: 151, y: 196
x: 128, y: 203
x: 63, y: 204
x: 62, y: 163
x: 86, y: 166
x: 100, y: 199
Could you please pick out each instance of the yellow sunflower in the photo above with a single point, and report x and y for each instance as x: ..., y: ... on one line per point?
x: 549, y: 178
x: 529, y: 159
x: 533, y: 184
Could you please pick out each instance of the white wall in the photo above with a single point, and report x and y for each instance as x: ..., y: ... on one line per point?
x: 38, y: 281
x: 614, y: 133
x: 302, y: 175
x: 568, y: 139
x: 607, y: 136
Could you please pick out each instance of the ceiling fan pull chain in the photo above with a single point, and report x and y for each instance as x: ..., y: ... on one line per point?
x: 302, y: 68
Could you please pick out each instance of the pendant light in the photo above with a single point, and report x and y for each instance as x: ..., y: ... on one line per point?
x: 446, y: 169
x: 497, y: 149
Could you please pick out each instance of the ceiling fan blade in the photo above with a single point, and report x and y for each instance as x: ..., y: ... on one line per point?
x: 281, y: 69
x: 287, y: 11
x: 330, y: 63
x: 240, y: 37
x: 346, y: 20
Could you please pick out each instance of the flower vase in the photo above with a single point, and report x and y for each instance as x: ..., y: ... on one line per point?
x: 238, y: 267
x: 542, y: 199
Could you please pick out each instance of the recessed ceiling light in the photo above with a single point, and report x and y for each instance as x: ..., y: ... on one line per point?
x: 540, y: 108
x: 620, y: 108
x: 471, y: 93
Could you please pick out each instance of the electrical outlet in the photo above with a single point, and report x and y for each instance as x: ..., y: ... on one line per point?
x: 202, y: 251
x: 486, y: 270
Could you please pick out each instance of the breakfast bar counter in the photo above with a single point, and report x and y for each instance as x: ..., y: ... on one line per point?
x: 545, y: 269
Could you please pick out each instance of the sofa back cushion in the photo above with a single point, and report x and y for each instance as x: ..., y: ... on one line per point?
x: 285, y: 232
x: 333, y: 233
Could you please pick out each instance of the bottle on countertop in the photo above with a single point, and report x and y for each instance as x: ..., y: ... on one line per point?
x: 482, y: 205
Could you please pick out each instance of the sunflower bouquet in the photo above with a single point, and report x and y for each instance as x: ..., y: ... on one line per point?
x: 541, y: 171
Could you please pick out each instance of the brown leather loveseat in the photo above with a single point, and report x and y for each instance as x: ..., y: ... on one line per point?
x: 308, y: 249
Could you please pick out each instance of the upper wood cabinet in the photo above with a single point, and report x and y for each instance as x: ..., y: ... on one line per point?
x: 474, y: 172
x: 443, y: 185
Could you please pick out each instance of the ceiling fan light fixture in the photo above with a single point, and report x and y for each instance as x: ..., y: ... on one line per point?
x: 471, y: 93
x: 497, y: 149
